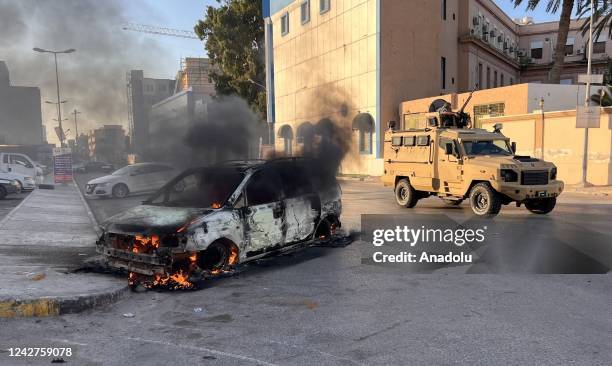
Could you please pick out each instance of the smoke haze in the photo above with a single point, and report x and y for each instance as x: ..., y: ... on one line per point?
x: 93, y: 79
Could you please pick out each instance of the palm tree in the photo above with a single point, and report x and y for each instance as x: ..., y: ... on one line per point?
x: 554, y: 77
x: 602, y: 16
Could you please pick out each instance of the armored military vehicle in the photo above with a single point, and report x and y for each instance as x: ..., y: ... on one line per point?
x: 442, y: 155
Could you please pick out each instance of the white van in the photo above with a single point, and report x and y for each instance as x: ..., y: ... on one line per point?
x: 19, y: 164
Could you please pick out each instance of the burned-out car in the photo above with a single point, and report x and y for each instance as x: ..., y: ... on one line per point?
x: 207, y: 220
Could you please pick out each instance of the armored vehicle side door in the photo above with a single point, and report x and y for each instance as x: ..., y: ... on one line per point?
x: 421, y: 161
x: 449, y: 166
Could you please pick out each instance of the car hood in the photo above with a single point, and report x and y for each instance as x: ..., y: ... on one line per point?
x: 498, y: 161
x: 147, y: 219
x: 103, y: 179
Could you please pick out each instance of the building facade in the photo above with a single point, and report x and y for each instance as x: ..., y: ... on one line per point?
x: 142, y: 93
x: 195, y: 75
x: 20, y: 112
x: 356, y: 61
x: 107, y: 144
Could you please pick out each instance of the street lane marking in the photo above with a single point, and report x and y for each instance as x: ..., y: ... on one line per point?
x: 214, y: 352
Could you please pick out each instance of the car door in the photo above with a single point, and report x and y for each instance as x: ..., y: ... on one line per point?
x: 302, y: 204
x: 21, y: 164
x: 160, y: 175
x: 137, y: 178
x: 264, y: 212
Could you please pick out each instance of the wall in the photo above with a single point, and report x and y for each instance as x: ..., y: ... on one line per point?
x: 327, y: 67
x: 563, y: 143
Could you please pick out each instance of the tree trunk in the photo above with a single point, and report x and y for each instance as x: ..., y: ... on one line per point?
x: 559, y: 58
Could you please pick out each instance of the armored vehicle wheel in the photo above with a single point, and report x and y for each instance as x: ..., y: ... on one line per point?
x: 405, y: 195
x: 2, y: 193
x: 452, y: 202
x: 541, y: 206
x: 484, y: 200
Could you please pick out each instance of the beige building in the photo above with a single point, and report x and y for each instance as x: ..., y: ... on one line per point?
x: 356, y: 61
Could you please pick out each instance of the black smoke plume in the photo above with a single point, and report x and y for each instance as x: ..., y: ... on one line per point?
x: 93, y: 79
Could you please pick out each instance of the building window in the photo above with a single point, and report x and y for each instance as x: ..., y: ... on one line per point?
x: 285, y: 24
x: 599, y: 46
x: 511, y: 81
x: 364, y: 124
x: 324, y: 6
x: 536, y: 50
x: 495, y: 79
x: 490, y: 110
x: 305, y: 11
x: 286, y: 133
x: 480, y: 77
x: 488, y: 77
x: 443, y: 71
x: 501, y: 80
x: 443, y: 9
x: 569, y: 46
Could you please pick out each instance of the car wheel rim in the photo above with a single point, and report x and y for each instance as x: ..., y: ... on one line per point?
x: 481, y: 202
x: 403, y: 193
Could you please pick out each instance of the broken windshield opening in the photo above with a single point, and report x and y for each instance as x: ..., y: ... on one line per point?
x: 202, y: 189
x: 487, y: 147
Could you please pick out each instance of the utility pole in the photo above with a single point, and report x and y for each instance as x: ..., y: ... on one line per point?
x: 76, y: 127
x: 585, y: 156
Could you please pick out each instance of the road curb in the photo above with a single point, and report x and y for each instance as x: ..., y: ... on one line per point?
x: 53, y: 306
x: 92, y: 218
x: 12, y: 212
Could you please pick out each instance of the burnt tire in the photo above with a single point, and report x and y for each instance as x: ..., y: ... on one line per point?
x: 452, y: 202
x: 541, y: 206
x: 484, y: 200
x: 215, y: 257
x: 120, y: 190
x: 405, y: 195
x: 2, y: 193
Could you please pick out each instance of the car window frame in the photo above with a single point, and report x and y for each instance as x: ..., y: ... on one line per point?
x: 280, y: 196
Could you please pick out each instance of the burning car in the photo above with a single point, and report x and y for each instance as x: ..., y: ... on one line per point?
x: 207, y: 220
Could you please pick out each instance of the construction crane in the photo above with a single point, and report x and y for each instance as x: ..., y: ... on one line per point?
x: 162, y: 31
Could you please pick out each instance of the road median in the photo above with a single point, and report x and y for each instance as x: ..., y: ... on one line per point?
x: 42, y: 242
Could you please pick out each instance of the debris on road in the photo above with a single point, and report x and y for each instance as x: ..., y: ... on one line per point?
x: 128, y: 315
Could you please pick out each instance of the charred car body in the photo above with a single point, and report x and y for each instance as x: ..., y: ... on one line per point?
x: 207, y: 220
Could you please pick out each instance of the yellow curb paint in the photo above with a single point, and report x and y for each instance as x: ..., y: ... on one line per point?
x: 34, y: 308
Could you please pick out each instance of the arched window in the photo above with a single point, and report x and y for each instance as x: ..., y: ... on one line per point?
x: 286, y: 133
x: 364, y: 124
x: 305, y: 136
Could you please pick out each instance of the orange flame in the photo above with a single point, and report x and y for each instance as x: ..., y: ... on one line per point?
x: 215, y: 205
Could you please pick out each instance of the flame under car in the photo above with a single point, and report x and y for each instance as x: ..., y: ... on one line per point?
x: 207, y: 220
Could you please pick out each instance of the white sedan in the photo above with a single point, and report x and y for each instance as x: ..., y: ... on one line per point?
x: 26, y: 183
x: 136, y: 178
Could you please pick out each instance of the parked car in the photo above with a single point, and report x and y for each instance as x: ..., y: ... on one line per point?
x: 94, y: 166
x: 25, y: 182
x: 20, y: 164
x: 8, y: 187
x: 207, y: 220
x: 136, y: 178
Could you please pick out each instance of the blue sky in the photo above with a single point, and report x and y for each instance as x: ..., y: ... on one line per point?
x: 183, y: 14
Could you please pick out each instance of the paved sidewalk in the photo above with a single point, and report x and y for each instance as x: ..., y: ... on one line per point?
x: 42, y: 241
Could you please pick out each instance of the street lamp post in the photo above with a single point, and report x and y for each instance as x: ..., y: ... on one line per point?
x: 269, y: 119
x: 59, y: 108
x: 585, y: 156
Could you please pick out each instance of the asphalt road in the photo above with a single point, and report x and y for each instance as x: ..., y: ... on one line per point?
x: 10, y: 202
x: 324, y: 306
